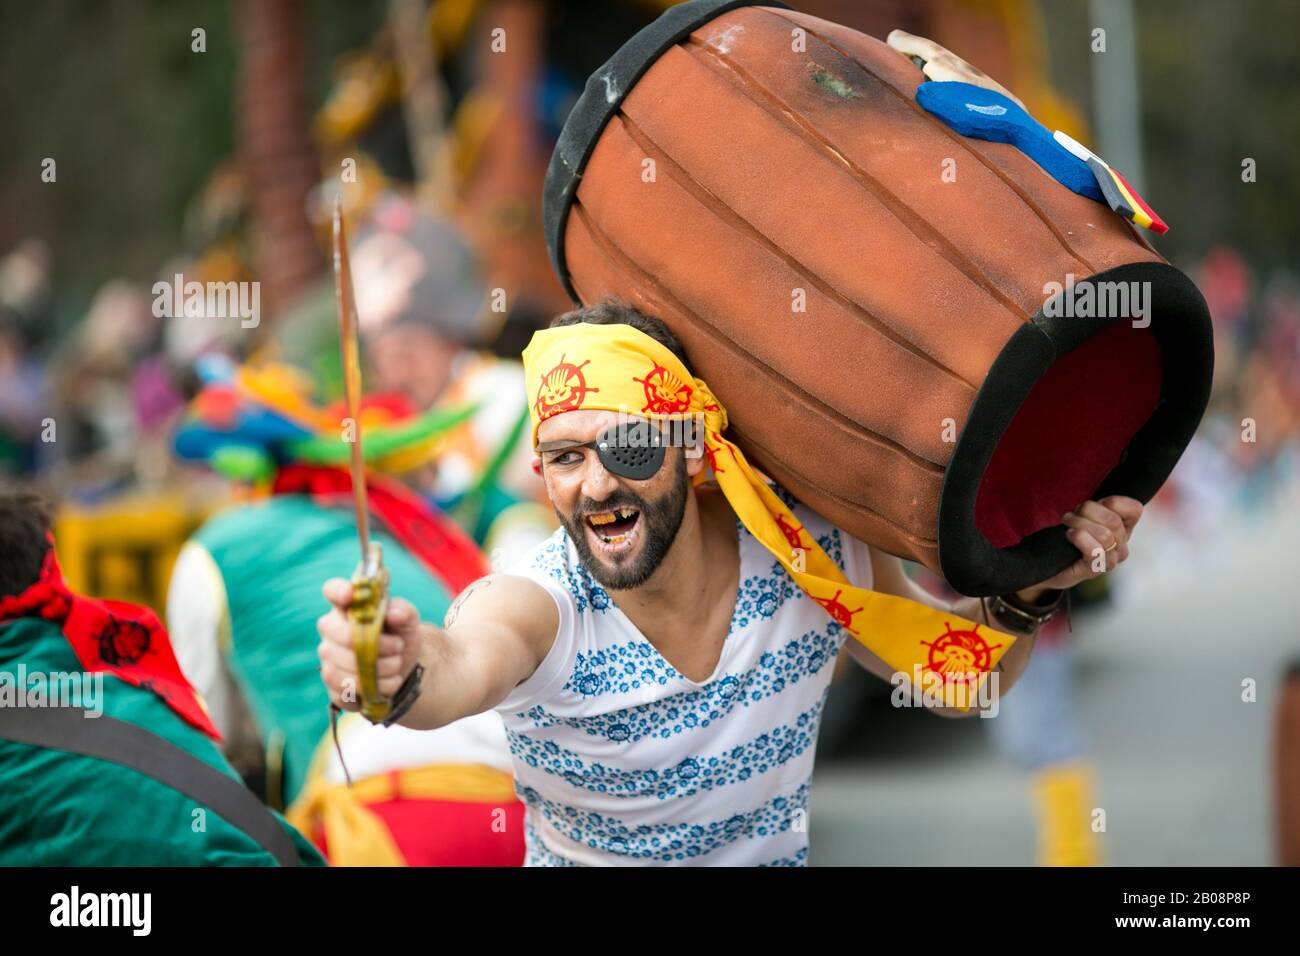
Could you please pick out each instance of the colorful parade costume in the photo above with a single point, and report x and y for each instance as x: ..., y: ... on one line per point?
x: 124, y: 770
x: 245, y: 598
x: 886, y: 305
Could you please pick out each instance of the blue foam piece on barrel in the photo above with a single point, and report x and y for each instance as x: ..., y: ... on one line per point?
x: 987, y: 114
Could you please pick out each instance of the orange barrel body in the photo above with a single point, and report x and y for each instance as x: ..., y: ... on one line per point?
x: 892, y: 313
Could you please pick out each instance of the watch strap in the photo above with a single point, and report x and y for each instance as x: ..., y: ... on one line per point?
x: 405, y: 697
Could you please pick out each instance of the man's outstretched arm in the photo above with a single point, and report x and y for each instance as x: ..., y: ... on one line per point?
x: 494, y: 636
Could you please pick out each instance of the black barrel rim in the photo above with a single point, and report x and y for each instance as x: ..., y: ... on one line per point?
x: 1181, y: 324
x: 601, y: 98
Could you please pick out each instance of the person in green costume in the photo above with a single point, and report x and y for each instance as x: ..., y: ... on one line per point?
x: 106, y: 752
x: 244, y: 598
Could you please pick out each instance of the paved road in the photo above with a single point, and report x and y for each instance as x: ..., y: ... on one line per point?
x: 1184, y: 765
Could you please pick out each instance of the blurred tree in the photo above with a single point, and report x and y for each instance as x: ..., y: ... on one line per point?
x: 1220, y: 83
x: 276, y: 153
x: 135, y: 119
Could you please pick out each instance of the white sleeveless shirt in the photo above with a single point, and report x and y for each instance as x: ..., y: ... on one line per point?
x: 622, y: 761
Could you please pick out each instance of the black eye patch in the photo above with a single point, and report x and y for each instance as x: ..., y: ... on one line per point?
x: 633, y: 451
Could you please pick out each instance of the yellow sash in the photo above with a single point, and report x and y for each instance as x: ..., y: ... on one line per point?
x: 354, y: 834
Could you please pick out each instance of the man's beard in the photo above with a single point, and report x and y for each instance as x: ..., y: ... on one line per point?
x: 660, y: 521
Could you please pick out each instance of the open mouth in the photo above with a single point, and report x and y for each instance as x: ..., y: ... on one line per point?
x: 615, y: 529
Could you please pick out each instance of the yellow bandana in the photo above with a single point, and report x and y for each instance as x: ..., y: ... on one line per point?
x: 621, y: 369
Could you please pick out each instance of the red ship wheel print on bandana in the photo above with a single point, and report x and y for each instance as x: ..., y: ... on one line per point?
x: 839, y: 612
x: 562, y: 389
x: 793, y: 532
x: 665, y: 393
x: 959, y: 656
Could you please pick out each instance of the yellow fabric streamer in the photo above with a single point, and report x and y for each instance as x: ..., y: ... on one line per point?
x: 621, y: 369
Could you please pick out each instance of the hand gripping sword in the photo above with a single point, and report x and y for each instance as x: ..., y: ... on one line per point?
x: 370, y: 579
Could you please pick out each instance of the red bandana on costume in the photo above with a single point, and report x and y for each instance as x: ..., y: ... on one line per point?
x: 125, y: 640
x: 438, y: 543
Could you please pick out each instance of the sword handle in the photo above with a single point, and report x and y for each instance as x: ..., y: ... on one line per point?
x: 366, y: 615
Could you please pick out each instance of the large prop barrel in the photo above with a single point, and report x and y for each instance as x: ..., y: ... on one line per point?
x: 884, y: 305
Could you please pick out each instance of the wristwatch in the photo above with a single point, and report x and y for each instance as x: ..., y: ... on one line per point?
x: 1020, y: 617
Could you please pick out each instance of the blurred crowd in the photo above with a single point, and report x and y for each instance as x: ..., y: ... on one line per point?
x: 1244, y: 463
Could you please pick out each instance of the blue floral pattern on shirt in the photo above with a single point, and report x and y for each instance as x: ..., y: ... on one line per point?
x: 799, y: 859
x: 619, y: 669
x: 537, y: 853
x: 616, y: 669
x: 691, y: 775
x: 553, y: 559
x: 665, y: 842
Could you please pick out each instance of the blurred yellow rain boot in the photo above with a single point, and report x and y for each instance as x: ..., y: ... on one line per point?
x: 1063, y: 801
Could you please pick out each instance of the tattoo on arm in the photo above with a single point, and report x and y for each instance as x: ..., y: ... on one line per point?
x: 454, y: 611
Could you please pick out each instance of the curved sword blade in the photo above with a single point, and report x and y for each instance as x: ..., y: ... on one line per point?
x: 351, y: 355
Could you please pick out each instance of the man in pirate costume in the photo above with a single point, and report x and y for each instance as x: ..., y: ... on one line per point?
x: 662, y: 662
x: 243, y: 600
x: 108, y: 755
